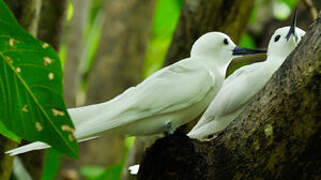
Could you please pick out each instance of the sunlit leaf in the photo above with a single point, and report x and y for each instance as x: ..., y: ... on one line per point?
x: 31, y: 89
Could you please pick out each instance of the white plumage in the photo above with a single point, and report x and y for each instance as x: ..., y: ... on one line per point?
x: 172, y: 96
x: 239, y: 88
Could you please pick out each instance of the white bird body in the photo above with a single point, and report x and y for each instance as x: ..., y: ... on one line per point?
x: 174, y: 95
x: 131, y: 115
x: 239, y: 88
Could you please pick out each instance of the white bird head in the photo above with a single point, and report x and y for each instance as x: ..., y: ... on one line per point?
x: 284, y: 40
x: 219, y: 46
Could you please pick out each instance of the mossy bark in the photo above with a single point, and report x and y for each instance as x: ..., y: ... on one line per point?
x: 278, y: 136
x: 201, y: 16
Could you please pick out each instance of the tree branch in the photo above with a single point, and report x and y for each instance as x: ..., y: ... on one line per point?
x: 278, y: 136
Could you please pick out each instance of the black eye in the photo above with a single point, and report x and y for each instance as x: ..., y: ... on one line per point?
x: 225, y: 41
x: 277, y: 38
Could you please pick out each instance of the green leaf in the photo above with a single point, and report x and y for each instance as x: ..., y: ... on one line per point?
x: 4, y: 131
x: 31, y: 89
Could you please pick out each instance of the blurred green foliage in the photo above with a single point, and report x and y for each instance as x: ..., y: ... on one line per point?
x: 92, y: 36
x: 247, y: 41
x: 165, y: 19
x: 282, y: 8
x: 290, y: 3
x: 51, y: 164
x: 113, y: 172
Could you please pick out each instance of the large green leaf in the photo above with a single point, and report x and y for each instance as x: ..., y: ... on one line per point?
x: 31, y: 88
x: 5, y: 132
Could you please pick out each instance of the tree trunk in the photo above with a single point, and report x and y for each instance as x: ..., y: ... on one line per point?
x: 199, y: 17
x: 75, y: 46
x: 27, y: 14
x: 51, y: 23
x: 278, y: 136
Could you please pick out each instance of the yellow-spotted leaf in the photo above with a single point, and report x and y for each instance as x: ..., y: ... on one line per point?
x: 31, y: 88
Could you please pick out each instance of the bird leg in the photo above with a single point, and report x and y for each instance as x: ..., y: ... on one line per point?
x: 169, y: 129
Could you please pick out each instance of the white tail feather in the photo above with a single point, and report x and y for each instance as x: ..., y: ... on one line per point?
x: 26, y: 148
x: 36, y: 146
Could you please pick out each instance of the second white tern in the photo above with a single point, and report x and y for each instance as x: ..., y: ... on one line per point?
x: 240, y: 87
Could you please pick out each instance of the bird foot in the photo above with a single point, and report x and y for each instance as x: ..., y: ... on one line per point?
x: 169, y: 129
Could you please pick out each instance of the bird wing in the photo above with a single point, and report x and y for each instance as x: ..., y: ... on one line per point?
x: 236, y: 91
x: 169, y: 90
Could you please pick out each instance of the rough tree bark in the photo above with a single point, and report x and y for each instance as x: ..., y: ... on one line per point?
x: 27, y: 14
x: 278, y: 136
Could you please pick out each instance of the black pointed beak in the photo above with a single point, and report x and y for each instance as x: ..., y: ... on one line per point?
x: 239, y: 51
x: 292, y: 28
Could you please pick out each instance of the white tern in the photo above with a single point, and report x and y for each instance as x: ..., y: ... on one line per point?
x: 239, y: 88
x: 164, y: 101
